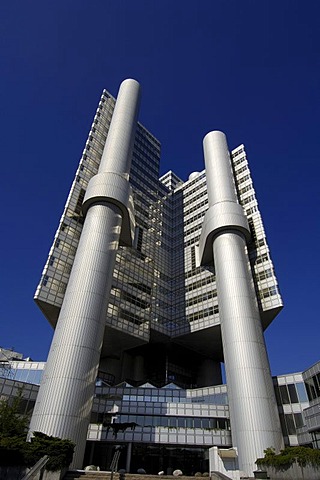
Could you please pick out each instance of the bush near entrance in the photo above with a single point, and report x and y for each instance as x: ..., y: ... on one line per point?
x: 303, y: 456
x: 14, y: 450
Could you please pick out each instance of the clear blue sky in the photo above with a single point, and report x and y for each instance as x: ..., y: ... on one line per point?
x: 250, y: 68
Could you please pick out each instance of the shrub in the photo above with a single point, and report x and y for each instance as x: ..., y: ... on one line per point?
x: 12, y: 422
x: 59, y: 451
x: 289, y: 455
x: 13, y: 428
x: 11, y: 451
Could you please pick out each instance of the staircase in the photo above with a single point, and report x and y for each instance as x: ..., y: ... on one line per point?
x: 93, y: 475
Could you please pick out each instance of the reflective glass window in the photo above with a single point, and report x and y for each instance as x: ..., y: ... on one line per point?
x: 181, y: 422
x: 284, y: 394
x: 189, y: 422
x: 302, y: 394
x: 197, y: 423
x: 298, y: 420
x: 293, y: 393
x: 290, y: 424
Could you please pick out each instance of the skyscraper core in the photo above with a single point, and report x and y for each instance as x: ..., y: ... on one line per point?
x: 153, y: 283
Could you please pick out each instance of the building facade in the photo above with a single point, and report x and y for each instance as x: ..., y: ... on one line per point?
x: 161, y: 429
x: 151, y: 285
x: 311, y: 378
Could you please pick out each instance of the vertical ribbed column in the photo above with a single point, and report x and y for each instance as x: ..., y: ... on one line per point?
x: 253, y: 411
x: 65, y: 397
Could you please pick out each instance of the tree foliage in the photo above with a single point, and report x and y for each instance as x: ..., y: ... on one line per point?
x: 14, y: 450
x: 60, y: 451
x: 288, y: 456
x: 12, y: 422
x: 13, y: 429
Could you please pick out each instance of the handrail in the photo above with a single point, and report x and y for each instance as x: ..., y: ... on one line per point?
x: 36, y: 468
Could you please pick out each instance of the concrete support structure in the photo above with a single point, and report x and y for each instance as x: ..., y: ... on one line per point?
x: 253, y: 411
x: 64, y: 402
x: 128, y: 457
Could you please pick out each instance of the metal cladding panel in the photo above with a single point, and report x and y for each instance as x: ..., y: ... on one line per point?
x: 117, y: 152
x: 220, y: 216
x: 113, y: 188
x: 66, y: 393
x: 253, y: 412
x: 221, y: 187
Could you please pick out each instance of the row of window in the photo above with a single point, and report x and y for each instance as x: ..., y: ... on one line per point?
x: 243, y: 179
x: 165, y: 421
x: 21, y: 375
x: 242, y: 169
x: 262, y: 258
x: 245, y: 189
x: 146, y: 138
x: 264, y: 274
x: 192, y: 182
x: 194, y: 218
x: 65, y: 247
x: 187, y: 192
x: 291, y: 393
x: 251, y: 210
x: 268, y: 292
x: 248, y: 199
x: 199, y: 283
x: 192, y: 241
x: 60, y: 265
x: 193, y: 229
x: 236, y: 153
x: 238, y: 161
x: 201, y: 298
x: 56, y: 285
x: 193, y: 201
x: 206, y: 312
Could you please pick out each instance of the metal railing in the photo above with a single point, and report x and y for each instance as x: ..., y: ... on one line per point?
x: 38, y: 467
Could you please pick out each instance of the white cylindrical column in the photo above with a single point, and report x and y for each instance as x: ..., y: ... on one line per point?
x: 253, y: 411
x: 65, y: 397
x: 64, y: 400
x: 117, y: 152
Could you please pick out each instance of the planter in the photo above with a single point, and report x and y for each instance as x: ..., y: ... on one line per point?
x: 260, y: 474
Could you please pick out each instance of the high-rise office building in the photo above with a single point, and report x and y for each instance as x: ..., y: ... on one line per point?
x: 151, y: 284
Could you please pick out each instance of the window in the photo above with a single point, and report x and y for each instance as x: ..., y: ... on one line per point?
x: 284, y: 394
x: 302, y: 394
x: 290, y: 424
x: 293, y: 393
x: 298, y: 418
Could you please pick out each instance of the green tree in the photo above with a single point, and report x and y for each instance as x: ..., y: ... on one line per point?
x: 14, y: 450
x: 13, y: 429
x: 288, y: 456
x: 12, y: 422
x: 60, y: 451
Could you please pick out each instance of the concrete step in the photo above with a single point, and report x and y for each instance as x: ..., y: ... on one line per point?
x: 93, y: 475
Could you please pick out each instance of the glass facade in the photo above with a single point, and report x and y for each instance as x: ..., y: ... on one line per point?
x: 174, y: 418
x: 312, y: 414
x: 160, y: 368
x: 161, y: 300
x: 23, y: 371
x: 291, y: 395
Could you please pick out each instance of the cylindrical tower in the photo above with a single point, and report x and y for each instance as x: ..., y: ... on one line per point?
x: 253, y: 411
x: 65, y: 397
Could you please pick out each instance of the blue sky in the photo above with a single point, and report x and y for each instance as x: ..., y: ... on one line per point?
x: 250, y: 68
